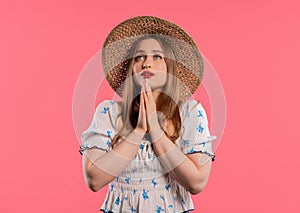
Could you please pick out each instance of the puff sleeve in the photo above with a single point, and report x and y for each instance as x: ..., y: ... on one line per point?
x: 101, y: 130
x: 195, y: 136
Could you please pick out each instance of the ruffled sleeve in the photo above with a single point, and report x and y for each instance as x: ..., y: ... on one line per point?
x: 195, y: 136
x: 101, y: 130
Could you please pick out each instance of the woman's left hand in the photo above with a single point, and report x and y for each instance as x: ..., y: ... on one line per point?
x: 151, y: 113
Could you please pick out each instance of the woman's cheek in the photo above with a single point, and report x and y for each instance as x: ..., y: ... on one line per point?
x: 137, y: 79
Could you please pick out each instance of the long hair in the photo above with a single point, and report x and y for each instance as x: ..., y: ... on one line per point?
x: 167, y: 103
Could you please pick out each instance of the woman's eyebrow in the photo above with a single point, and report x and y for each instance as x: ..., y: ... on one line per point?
x: 158, y: 51
x: 139, y: 51
x: 153, y: 51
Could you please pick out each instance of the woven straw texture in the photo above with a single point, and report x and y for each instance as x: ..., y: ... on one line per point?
x: 115, y: 52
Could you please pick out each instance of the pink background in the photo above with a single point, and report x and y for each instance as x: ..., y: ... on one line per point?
x: 254, y: 47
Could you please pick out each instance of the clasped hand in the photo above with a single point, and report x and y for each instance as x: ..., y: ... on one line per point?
x: 148, y: 119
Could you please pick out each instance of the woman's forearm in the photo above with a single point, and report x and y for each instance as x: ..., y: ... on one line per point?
x: 185, y: 170
x: 101, y: 168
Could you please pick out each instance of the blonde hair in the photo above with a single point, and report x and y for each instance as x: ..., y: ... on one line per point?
x: 168, y: 102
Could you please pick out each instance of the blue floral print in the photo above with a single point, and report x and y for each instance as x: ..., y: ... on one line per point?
x: 143, y: 184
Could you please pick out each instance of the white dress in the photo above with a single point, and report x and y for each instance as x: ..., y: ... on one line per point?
x: 144, y: 186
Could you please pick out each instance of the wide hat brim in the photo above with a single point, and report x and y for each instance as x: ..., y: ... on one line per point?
x: 116, y: 48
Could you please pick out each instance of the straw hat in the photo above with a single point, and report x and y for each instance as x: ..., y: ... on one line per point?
x: 115, y: 52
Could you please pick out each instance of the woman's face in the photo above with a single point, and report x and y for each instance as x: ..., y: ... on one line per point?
x: 149, y: 64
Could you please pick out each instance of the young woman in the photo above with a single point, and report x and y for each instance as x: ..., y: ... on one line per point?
x: 153, y: 148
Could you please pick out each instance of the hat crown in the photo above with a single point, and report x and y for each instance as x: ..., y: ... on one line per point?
x: 115, y: 52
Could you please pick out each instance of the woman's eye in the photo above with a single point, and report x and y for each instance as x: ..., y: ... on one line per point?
x: 139, y: 58
x: 157, y: 57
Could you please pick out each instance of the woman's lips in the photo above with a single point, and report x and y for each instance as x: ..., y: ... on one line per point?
x: 147, y: 74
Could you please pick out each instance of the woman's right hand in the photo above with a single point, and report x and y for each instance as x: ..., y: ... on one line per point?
x: 141, y: 126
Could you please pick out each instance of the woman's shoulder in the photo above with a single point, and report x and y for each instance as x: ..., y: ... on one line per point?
x: 108, y: 105
x: 190, y: 105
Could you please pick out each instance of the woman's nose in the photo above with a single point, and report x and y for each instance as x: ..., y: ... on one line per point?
x: 147, y: 63
x: 146, y: 66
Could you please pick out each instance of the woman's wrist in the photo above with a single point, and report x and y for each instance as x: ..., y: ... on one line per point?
x: 156, y: 134
x: 135, y: 137
x: 139, y: 131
